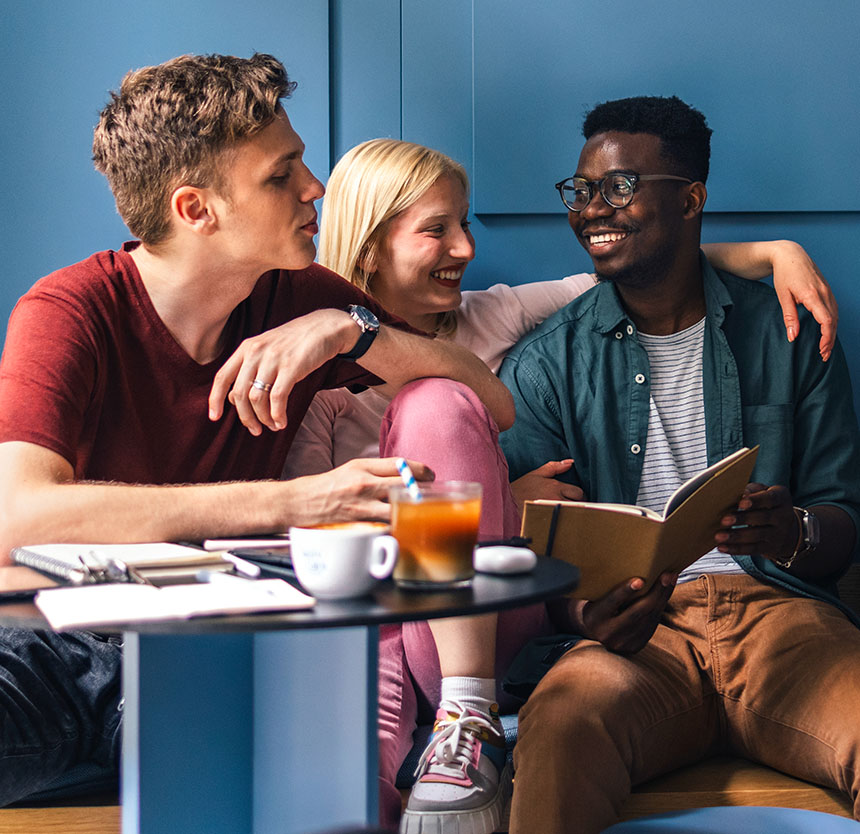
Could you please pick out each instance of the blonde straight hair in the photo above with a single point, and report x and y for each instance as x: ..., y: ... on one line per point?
x: 372, y: 183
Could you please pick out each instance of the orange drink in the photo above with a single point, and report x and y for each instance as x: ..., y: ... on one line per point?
x: 436, y: 531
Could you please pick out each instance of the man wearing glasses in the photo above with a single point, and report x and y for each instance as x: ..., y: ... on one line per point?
x: 666, y: 367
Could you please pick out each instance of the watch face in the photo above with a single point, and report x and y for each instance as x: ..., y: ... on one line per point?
x: 364, y: 317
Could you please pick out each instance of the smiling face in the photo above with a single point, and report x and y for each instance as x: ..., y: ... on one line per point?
x: 424, y: 254
x: 267, y: 217
x: 635, y: 245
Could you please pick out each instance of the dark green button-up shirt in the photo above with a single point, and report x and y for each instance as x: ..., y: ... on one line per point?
x: 581, y: 383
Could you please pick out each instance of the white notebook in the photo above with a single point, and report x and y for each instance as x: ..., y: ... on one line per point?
x: 101, y: 605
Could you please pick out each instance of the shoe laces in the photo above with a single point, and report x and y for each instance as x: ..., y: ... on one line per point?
x: 454, y: 739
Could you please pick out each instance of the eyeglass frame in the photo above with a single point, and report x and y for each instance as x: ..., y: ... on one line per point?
x: 633, y: 178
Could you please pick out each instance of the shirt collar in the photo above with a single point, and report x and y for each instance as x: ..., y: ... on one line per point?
x: 609, y: 312
x: 717, y: 297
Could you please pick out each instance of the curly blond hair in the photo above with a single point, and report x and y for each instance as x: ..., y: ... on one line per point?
x: 172, y: 124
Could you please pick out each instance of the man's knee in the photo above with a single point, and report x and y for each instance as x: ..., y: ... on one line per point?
x: 579, y: 697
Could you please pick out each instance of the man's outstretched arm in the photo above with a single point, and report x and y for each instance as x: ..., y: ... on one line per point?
x: 40, y: 501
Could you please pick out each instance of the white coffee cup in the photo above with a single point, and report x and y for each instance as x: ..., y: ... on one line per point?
x: 335, y: 561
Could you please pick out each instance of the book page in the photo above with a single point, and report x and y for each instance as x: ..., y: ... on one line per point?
x: 631, y: 509
x: 689, y: 487
x: 146, y: 554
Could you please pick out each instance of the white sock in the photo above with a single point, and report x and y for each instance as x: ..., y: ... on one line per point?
x: 476, y: 693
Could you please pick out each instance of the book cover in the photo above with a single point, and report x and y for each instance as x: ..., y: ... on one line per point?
x: 611, y: 543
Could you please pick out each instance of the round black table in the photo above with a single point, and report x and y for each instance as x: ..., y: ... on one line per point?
x: 266, y: 724
x: 387, y: 604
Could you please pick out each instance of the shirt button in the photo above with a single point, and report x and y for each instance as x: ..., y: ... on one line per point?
x: 640, y: 378
x: 636, y: 448
x: 619, y: 334
x: 629, y: 329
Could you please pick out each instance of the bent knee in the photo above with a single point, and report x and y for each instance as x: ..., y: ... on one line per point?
x: 587, y: 685
x: 440, y: 405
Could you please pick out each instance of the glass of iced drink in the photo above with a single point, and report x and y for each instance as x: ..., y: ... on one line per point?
x: 436, y: 527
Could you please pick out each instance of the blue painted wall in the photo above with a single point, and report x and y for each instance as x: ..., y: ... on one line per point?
x: 502, y: 86
x: 498, y: 84
x: 58, y: 62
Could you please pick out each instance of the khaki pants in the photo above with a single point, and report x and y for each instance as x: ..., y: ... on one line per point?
x: 735, y: 666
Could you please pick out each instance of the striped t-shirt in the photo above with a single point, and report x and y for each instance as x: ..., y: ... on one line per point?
x: 676, y: 448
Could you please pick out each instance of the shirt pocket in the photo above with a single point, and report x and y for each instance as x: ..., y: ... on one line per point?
x: 770, y: 426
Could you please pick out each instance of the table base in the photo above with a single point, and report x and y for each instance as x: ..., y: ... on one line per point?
x: 250, y: 733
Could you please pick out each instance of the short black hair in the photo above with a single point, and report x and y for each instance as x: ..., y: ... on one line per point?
x: 683, y: 130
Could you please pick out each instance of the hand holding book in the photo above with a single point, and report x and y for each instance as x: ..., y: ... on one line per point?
x: 764, y: 523
x: 610, y: 543
x: 625, y: 618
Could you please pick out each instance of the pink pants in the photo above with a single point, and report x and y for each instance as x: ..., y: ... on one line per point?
x: 444, y: 425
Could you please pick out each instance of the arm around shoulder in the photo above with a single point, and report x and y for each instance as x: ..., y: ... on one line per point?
x: 796, y: 279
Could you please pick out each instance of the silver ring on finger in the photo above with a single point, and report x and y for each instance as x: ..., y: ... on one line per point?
x: 261, y: 386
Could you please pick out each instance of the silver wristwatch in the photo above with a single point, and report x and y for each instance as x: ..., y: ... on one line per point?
x: 369, y: 325
x: 807, y: 541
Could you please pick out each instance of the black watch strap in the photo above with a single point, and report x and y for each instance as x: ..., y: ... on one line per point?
x: 369, y: 325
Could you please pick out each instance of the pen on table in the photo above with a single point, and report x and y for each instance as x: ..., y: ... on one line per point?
x: 243, y: 567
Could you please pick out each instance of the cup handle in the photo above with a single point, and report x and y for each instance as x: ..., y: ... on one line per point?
x: 384, y: 548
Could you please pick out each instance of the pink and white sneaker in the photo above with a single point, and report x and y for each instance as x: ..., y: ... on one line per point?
x: 464, y: 779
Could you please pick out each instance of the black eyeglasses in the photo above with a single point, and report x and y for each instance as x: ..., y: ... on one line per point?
x: 616, y: 189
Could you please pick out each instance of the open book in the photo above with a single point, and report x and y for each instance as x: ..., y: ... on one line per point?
x: 611, y: 543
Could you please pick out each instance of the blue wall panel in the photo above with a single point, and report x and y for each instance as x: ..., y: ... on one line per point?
x: 437, y: 76
x: 405, y: 68
x: 58, y: 62
x: 777, y: 82
x: 526, y: 238
x: 365, y: 72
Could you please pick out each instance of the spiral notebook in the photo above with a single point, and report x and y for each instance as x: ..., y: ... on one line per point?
x: 79, y: 564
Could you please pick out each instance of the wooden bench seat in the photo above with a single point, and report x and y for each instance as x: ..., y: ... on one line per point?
x: 724, y: 780
x: 91, y: 819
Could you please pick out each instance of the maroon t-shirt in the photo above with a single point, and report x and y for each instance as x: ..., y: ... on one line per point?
x: 90, y: 371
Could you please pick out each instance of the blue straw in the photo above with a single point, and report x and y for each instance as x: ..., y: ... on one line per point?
x: 408, y: 479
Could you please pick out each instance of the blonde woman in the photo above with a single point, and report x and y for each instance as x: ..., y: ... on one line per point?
x: 395, y: 223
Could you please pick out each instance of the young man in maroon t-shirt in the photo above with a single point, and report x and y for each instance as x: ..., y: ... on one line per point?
x: 113, y: 425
